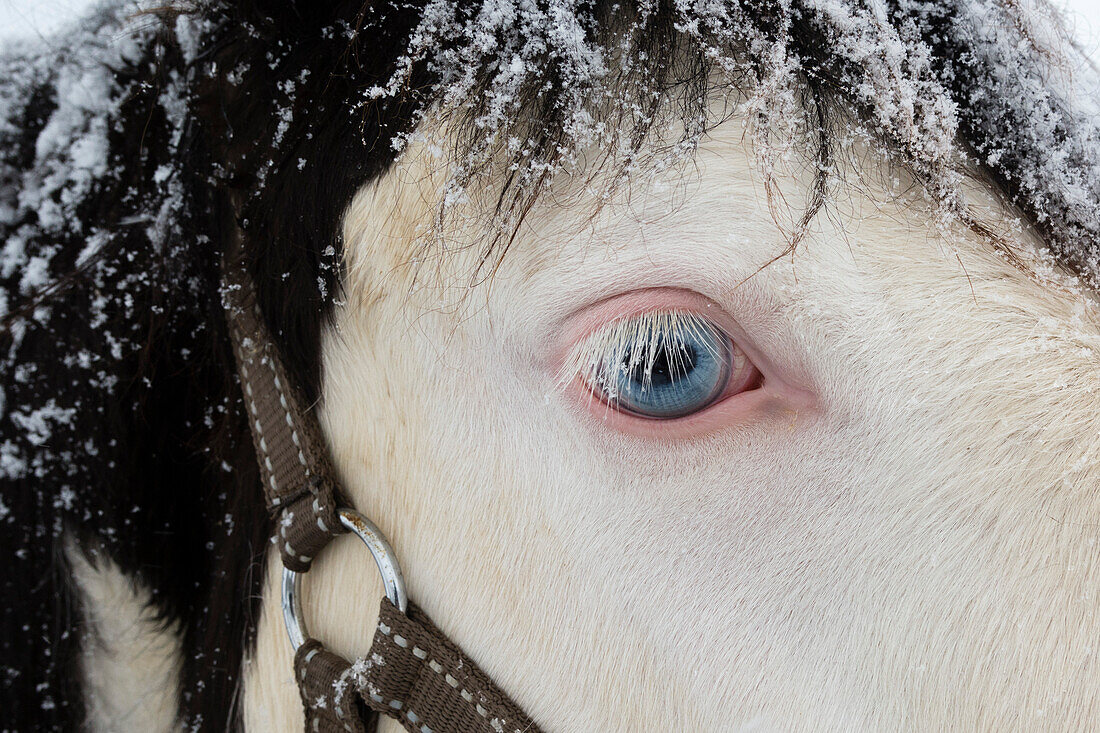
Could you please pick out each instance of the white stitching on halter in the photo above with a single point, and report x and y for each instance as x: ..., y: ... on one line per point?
x: 283, y: 403
x: 256, y: 421
x: 414, y: 719
x: 317, y: 515
x: 438, y: 669
x: 283, y: 524
x: 305, y: 662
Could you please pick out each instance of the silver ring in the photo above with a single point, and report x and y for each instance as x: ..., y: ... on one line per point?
x: 383, y: 555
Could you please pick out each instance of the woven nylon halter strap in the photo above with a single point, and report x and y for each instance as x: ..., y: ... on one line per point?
x: 413, y: 672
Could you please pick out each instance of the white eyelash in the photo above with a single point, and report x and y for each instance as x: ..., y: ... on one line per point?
x: 625, y: 343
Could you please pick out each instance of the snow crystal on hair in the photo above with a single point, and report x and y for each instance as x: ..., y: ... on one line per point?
x: 946, y: 85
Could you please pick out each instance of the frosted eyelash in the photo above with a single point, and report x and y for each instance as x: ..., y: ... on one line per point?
x: 632, y: 341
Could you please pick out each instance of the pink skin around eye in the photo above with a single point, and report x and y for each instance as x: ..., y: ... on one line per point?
x: 757, y: 394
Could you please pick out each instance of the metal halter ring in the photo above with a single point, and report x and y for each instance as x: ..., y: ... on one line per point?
x: 383, y: 555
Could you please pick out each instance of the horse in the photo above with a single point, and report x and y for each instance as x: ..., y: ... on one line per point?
x: 719, y: 365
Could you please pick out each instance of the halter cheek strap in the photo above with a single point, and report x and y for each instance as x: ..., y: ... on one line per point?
x: 412, y: 672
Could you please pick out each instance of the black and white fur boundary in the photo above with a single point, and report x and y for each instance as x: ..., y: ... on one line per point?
x: 132, y: 147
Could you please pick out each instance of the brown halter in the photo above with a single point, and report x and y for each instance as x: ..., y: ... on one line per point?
x: 413, y: 672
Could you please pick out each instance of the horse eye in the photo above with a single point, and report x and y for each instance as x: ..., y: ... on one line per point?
x: 664, y: 366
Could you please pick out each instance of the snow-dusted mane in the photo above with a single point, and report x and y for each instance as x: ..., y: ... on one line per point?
x: 420, y: 185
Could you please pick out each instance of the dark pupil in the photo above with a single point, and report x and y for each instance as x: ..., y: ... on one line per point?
x: 669, y: 365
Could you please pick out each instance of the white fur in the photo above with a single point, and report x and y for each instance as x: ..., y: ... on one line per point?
x: 916, y: 550
x: 130, y: 663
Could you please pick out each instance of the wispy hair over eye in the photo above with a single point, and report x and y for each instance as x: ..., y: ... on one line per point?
x: 660, y: 364
x: 634, y: 345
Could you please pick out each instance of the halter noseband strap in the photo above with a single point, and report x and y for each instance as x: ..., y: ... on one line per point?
x: 413, y: 672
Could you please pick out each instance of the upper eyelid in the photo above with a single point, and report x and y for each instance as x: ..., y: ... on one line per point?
x: 596, y: 347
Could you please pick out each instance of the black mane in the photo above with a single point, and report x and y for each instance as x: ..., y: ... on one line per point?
x: 123, y: 425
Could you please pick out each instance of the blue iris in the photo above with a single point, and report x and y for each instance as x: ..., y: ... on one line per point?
x: 683, y: 371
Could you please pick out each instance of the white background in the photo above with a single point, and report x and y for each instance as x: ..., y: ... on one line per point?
x: 1084, y: 17
x: 28, y: 18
